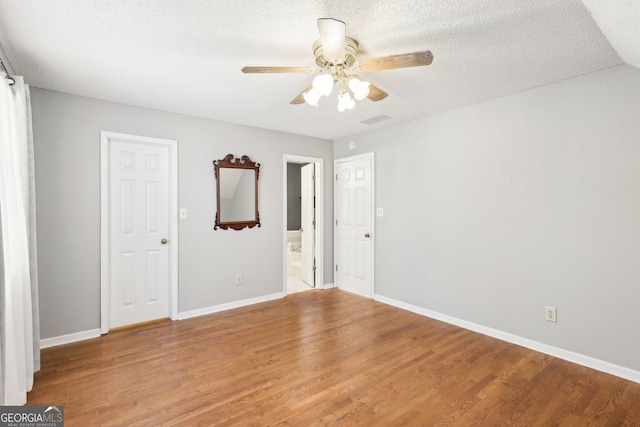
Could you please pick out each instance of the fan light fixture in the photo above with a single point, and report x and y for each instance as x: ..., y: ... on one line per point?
x: 311, y: 97
x: 323, y: 86
x: 345, y: 102
x: 359, y: 88
x: 335, y: 55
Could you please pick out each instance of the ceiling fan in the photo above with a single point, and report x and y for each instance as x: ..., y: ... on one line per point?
x: 335, y: 55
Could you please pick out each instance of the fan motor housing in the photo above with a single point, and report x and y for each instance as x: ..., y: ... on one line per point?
x: 350, y: 50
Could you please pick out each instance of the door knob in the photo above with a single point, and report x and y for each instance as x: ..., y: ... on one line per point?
x: 367, y: 235
x: 164, y: 241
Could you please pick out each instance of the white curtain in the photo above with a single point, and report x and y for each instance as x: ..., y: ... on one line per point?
x: 19, y: 314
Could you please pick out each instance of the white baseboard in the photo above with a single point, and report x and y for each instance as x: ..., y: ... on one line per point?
x: 580, y: 359
x: 328, y: 286
x: 69, y: 338
x: 228, y: 306
x: 95, y: 333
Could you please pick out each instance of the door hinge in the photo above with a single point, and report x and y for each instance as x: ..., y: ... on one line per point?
x: 314, y: 222
x: 336, y: 177
x: 336, y: 267
x: 313, y: 177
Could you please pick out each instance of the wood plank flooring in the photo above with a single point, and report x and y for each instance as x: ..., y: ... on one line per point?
x: 322, y: 358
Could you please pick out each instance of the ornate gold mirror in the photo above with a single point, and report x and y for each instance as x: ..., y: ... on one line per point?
x: 236, y: 193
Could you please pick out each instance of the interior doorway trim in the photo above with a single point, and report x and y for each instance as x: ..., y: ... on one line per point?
x: 319, y: 232
x: 106, y: 138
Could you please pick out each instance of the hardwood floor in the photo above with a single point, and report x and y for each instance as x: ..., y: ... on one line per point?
x: 322, y: 358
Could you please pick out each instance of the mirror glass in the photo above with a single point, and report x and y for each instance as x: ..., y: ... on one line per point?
x: 237, y: 197
x: 237, y: 193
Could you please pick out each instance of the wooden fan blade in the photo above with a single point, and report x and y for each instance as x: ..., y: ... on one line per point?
x: 300, y: 98
x: 415, y: 59
x: 376, y: 94
x: 332, y: 34
x: 277, y: 70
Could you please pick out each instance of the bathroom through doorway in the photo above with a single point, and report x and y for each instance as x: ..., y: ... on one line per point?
x: 301, y: 225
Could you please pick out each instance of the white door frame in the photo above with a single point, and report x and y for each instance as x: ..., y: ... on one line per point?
x: 336, y: 237
x: 106, y: 138
x: 319, y: 235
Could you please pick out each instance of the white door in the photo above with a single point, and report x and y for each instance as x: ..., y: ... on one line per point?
x: 354, y: 224
x: 308, y: 224
x: 139, y: 232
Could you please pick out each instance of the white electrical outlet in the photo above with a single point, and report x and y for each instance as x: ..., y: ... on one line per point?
x: 551, y: 314
x: 238, y: 279
x: 183, y: 213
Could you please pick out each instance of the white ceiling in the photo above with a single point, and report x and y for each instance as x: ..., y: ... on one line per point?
x: 185, y: 56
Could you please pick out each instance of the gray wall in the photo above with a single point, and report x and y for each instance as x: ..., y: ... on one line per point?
x: 294, y: 191
x: 67, y: 148
x: 493, y: 211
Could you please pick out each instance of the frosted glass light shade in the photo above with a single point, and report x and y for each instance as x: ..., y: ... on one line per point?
x: 323, y: 84
x: 353, y: 83
x: 345, y: 102
x: 311, y: 97
x: 359, y: 88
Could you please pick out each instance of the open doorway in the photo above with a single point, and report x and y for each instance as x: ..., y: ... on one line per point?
x: 302, y: 223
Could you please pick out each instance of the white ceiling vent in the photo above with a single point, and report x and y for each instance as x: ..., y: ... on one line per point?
x: 375, y: 119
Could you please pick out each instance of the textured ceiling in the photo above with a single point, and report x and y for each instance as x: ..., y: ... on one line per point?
x: 619, y: 20
x: 185, y: 56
